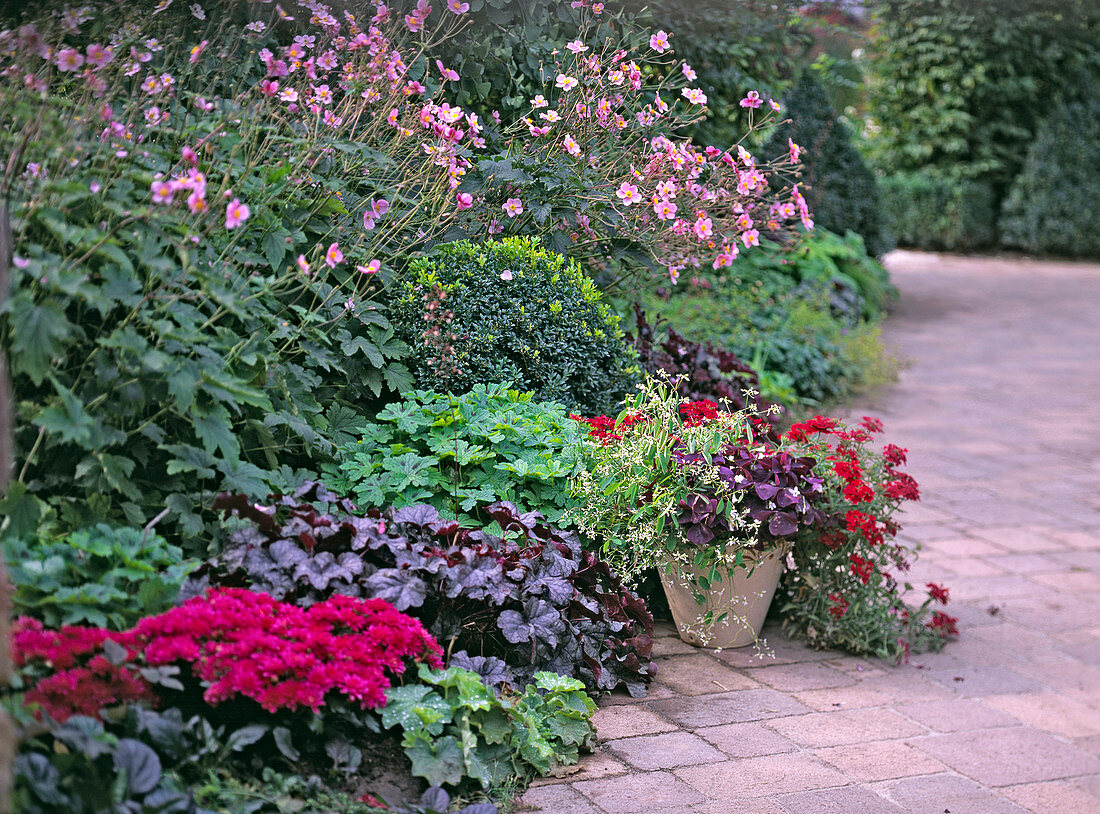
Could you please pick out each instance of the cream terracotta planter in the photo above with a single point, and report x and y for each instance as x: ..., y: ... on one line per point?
x: 744, y: 599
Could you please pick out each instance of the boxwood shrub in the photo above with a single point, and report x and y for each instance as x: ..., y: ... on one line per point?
x: 511, y: 311
x: 928, y: 212
x: 1052, y: 205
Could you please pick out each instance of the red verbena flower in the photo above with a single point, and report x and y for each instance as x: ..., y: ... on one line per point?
x: 839, y: 605
x: 894, y: 455
x: 942, y: 623
x: 938, y: 593
x: 861, y: 568
x: 903, y: 487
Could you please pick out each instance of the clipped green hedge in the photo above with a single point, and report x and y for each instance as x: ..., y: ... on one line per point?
x: 926, y: 212
x: 1053, y: 203
x: 513, y: 312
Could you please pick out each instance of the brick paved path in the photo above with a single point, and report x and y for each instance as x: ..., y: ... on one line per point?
x: 1000, y: 409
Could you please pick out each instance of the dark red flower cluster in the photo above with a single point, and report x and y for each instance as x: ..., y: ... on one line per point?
x: 943, y: 624
x: 838, y: 606
x: 894, y: 455
x: 861, y: 568
x: 937, y: 592
x: 865, y: 524
x: 242, y: 644
x: 815, y: 426
x: 696, y: 413
x: 82, y: 680
x: 604, y: 429
x: 903, y: 487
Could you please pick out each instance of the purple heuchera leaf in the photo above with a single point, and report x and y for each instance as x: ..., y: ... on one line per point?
x: 397, y: 588
x: 535, y: 602
x: 538, y: 621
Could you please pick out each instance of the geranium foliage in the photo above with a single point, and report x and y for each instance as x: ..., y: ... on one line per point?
x: 509, y: 600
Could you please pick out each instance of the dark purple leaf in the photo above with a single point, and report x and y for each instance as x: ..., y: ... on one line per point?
x: 538, y: 621
x: 399, y: 588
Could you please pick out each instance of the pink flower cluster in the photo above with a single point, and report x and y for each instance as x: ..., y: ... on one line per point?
x: 690, y: 205
x: 238, y: 643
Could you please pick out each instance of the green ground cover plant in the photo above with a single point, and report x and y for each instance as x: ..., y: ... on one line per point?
x: 104, y: 576
x: 461, y: 453
x: 805, y: 317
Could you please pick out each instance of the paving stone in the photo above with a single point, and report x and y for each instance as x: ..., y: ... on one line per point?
x: 701, y: 674
x: 843, y: 800
x: 742, y: 806
x: 671, y: 646
x: 936, y: 794
x: 1090, y: 744
x: 778, y: 650
x: 555, y: 800
x: 668, y: 751
x: 1050, y: 712
x: 746, y: 740
x: 1088, y: 560
x: 972, y: 566
x: 729, y: 708
x: 1080, y: 539
x: 908, y: 683
x: 1000, y: 757
x: 1026, y: 563
x: 1006, y: 586
x: 857, y: 696
x: 1054, y: 797
x: 982, y: 681
x: 627, y: 721
x: 638, y: 793
x: 1022, y: 538
x: 819, y: 729
x: 762, y: 776
x: 916, y: 513
x: 654, y: 691
x: 797, y: 677
x: 1069, y: 581
x: 957, y: 715
x: 600, y: 763
x: 880, y: 760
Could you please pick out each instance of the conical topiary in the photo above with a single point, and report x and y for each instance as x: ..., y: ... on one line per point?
x: 839, y: 187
